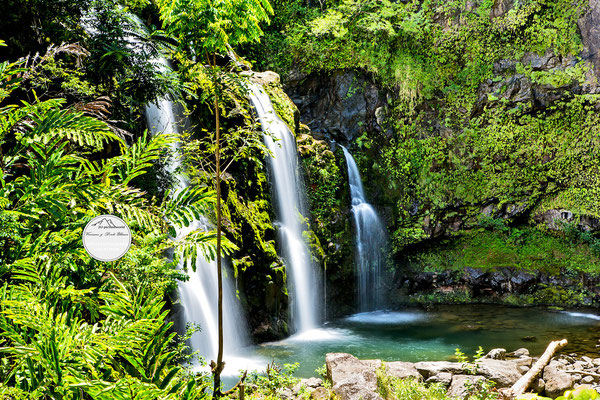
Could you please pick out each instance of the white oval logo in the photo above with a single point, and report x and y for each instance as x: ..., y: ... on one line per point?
x: 106, y: 238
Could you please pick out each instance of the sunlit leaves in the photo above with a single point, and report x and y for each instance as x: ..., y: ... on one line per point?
x: 68, y: 327
x: 210, y: 26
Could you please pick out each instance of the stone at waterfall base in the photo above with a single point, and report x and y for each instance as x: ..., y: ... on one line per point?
x: 556, y: 379
x: 354, y: 379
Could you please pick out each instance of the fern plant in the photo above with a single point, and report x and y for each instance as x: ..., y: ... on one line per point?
x: 71, y: 327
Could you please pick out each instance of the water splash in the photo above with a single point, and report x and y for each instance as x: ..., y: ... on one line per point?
x: 387, y: 317
x: 370, y: 242
x: 583, y: 315
x: 290, y: 208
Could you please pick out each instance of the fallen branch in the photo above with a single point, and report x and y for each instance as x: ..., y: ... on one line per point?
x: 582, y: 373
x: 525, y: 381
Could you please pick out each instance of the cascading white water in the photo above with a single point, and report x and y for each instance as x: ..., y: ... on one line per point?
x: 290, y: 209
x: 370, y: 242
x: 198, y: 295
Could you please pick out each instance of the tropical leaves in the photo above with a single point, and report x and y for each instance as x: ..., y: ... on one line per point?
x: 71, y: 328
x: 211, y: 26
x: 46, y: 125
x: 61, y: 355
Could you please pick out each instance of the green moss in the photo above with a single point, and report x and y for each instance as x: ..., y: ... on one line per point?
x: 458, y: 296
x: 452, y: 158
x: 526, y: 248
x: 284, y: 106
x: 256, y: 215
x: 419, y: 48
x: 327, y: 192
x: 533, y: 161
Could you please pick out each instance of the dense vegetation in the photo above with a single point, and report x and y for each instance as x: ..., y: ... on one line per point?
x: 489, y: 110
x: 489, y: 118
x: 73, y: 327
x: 74, y: 146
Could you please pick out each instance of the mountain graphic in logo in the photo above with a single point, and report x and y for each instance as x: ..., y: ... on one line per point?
x: 104, y: 223
x: 106, y: 238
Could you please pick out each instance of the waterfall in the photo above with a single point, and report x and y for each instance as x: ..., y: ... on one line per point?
x: 198, y: 295
x: 370, y: 242
x: 290, y: 209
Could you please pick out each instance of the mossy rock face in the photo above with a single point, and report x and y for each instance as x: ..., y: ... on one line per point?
x: 461, y: 110
x: 475, y: 127
x: 328, y: 195
x: 284, y: 107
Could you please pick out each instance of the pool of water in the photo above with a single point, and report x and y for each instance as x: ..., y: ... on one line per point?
x: 416, y: 335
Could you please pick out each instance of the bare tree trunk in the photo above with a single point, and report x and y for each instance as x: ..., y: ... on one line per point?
x: 218, y: 368
x: 522, y: 384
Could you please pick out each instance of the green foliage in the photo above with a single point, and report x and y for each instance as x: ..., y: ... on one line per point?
x: 392, y: 388
x: 211, y: 26
x: 283, y: 105
x: 30, y: 26
x: 579, y: 237
x: 481, y: 390
x: 470, y: 367
x: 275, y: 377
x: 420, y: 47
x: 71, y: 327
x: 456, y: 155
x: 327, y: 194
x: 584, y: 392
x: 523, y: 248
x: 514, y: 159
x: 122, y: 58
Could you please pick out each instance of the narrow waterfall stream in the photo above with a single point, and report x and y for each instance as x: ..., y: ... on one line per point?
x: 290, y: 207
x: 370, y: 242
x: 198, y: 295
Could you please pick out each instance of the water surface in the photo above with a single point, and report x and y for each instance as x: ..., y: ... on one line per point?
x: 416, y: 335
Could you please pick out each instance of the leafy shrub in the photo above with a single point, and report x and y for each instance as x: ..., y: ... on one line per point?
x: 392, y: 388
x: 275, y: 377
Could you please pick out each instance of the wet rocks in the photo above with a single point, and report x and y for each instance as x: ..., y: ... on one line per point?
x: 554, y: 219
x: 497, y: 285
x: 339, y: 106
x: 501, y: 7
x: 353, y: 379
x: 589, y: 25
x: 557, y: 380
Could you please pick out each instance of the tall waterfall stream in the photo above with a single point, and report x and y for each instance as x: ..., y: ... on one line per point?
x: 370, y: 243
x: 290, y: 207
